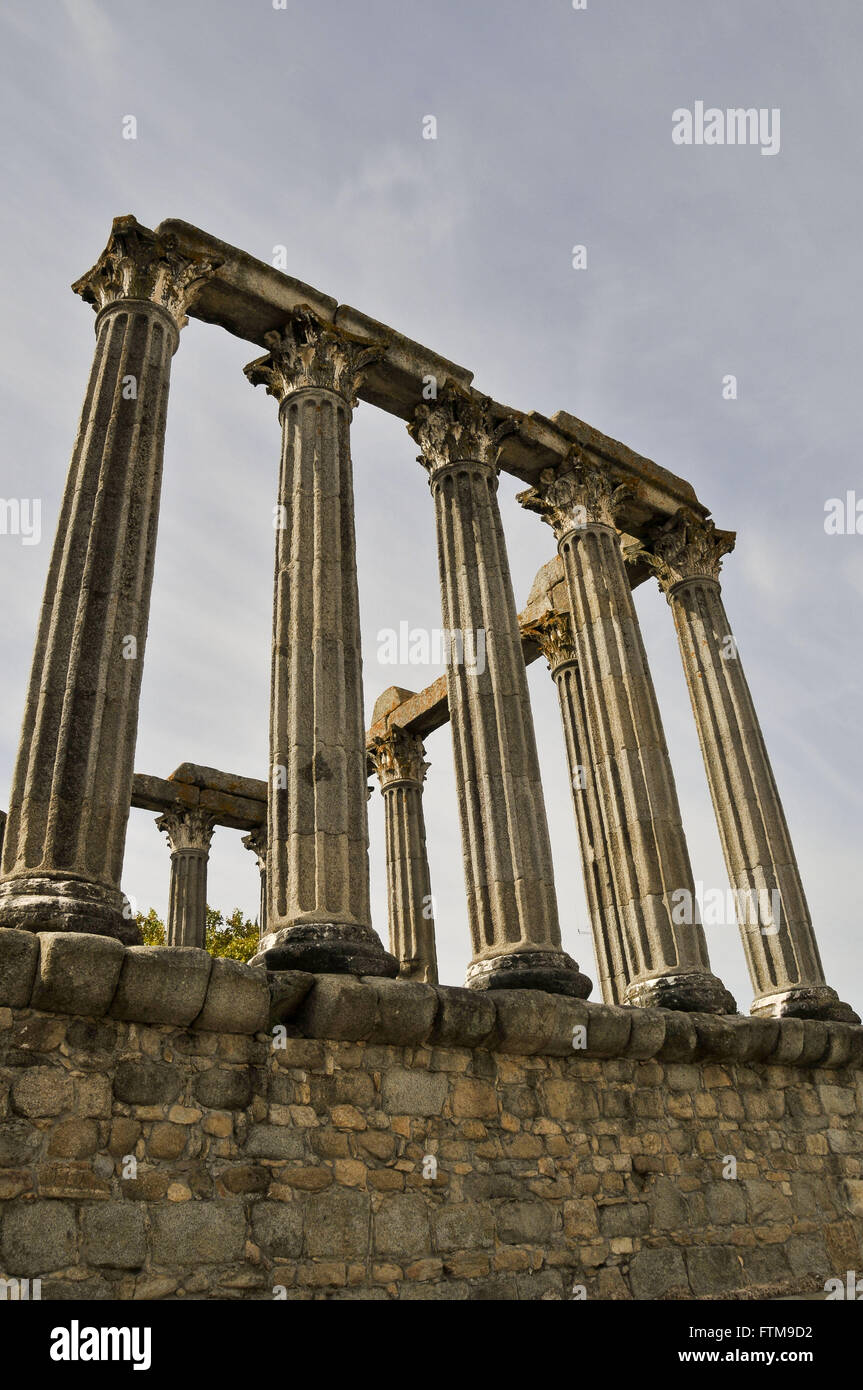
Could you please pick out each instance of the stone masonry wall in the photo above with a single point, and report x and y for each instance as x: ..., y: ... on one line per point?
x: 572, y: 1144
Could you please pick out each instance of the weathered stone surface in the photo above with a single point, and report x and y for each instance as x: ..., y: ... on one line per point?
x: 37, y: 1239
x: 337, y: 1223
x: 404, y: 1011
x: 407, y: 1091
x: 197, y: 1233
x: 39, y: 1091
x: 19, y: 961
x: 114, y: 1235
x: 465, y: 1018
x: 237, y: 999
x: 658, y: 1273
x: 288, y: 989
x: 223, y: 1088
x: 278, y: 1228
x: 401, y: 1227
x: 162, y: 984
x: 338, y: 1007
x: 145, y: 1082
x: 78, y: 973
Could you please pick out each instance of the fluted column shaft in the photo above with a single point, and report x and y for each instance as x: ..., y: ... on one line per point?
x: 665, y: 961
x: 189, y: 835
x: 773, y: 915
x: 72, y: 786
x: 553, y: 635
x: 318, y: 914
x: 512, y: 905
x: 401, y: 769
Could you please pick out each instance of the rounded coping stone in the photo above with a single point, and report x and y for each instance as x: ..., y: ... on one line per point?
x: 608, y: 1030
x: 162, y: 984
x: 339, y: 1007
x: 840, y: 1040
x: 288, y: 989
x: 648, y: 1033
x: 681, y: 1039
x: 531, y: 1021
x: 237, y: 999
x: 405, y: 1010
x: 789, y: 1043
x: 19, y: 961
x: 815, y: 1041
x: 465, y: 1017
x: 723, y: 1036
x: 78, y: 973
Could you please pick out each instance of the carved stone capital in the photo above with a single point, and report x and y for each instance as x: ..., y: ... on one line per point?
x: 574, y: 495
x: 137, y: 264
x: 398, y: 756
x: 308, y: 353
x: 691, y: 549
x: 256, y: 842
x: 187, y: 830
x: 552, y: 633
x: 457, y: 427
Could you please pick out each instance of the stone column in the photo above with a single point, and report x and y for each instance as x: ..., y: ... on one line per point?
x: 666, y: 961
x: 553, y: 635
x: 399, y: 757
x: 189, y: 834
x: 72, y: 785
x: 318, y: 915
x: 773, y: 915
x: 257, y: 843
x: 512, y: 906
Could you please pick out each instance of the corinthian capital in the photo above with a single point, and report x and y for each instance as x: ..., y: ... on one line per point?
x: 552, y: 633
x: 691, y: 549
x: 574, y: 495
x: 137, y: 264
x: 256, y: 843
x: 310, y: 353
x: 458, y: 427
x: 192, y: 829
x: 398, y: 756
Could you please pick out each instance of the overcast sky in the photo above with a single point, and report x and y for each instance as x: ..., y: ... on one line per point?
x: 303, y: 127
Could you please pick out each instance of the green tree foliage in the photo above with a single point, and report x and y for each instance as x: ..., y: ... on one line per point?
x: 235, y: 936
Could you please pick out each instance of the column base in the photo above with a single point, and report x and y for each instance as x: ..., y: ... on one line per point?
x: 804, y: 1001
x: 694, y: 992
x: 553, y: 971
x: 327, y: 948
x: 58, y: 902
